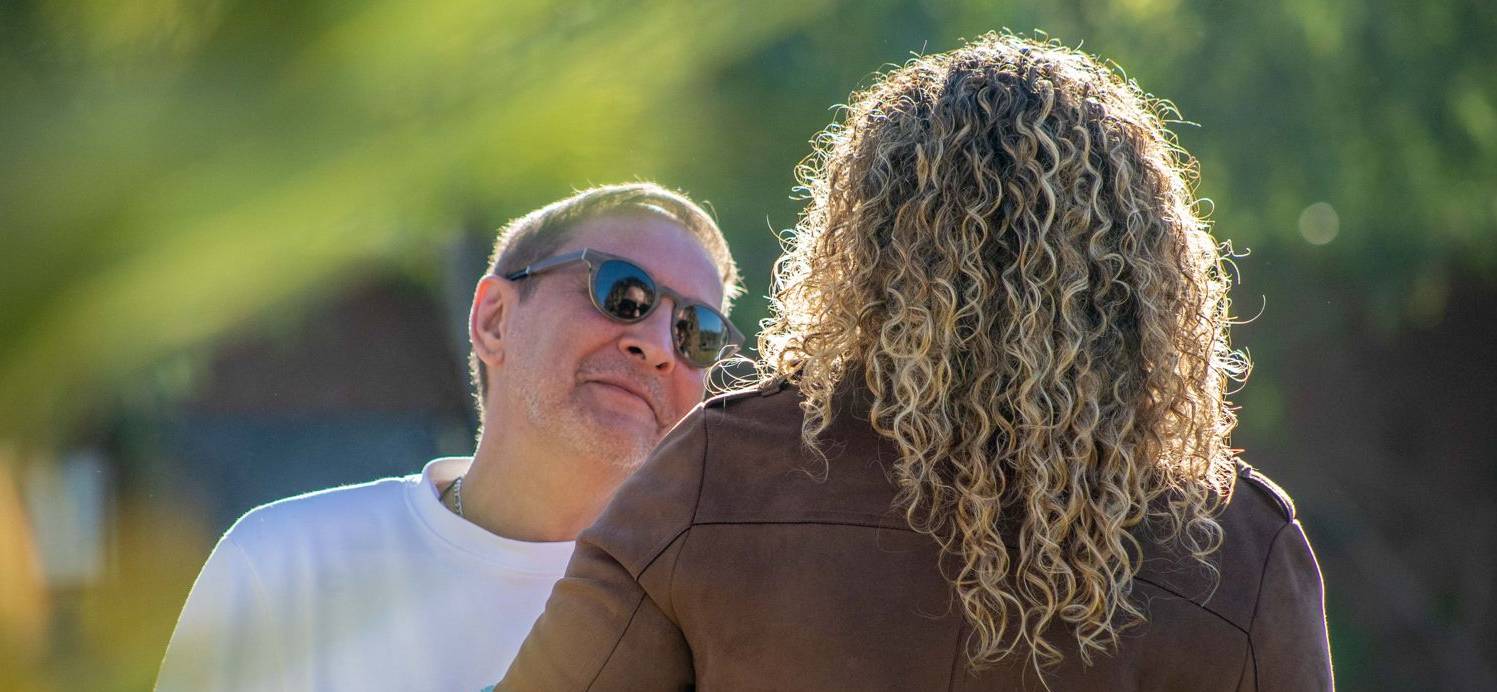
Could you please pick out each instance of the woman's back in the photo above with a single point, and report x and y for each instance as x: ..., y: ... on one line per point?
x: 738, y: 560
x: 1007, y: 445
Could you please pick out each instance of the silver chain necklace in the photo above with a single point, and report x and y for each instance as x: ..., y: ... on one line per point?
x: 456, y: 489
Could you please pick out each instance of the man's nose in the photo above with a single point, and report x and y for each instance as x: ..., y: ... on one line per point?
x: 651, y: 341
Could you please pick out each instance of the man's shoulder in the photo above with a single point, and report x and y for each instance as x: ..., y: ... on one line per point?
x: 319, y: 514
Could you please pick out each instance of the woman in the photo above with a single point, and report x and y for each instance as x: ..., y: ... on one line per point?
x: 991, y: 450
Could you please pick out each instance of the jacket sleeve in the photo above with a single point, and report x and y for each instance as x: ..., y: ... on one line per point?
x: 609, y: 624
x: 225, y: 638
x: 1291, y: 650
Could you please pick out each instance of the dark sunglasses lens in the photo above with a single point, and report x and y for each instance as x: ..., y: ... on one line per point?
x: 701, y: 335
x: 623, y: 290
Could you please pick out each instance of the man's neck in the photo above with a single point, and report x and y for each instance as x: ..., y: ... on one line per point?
x: 526, y: 495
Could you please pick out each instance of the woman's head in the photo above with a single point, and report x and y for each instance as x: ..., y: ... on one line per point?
x: 1003, y: 241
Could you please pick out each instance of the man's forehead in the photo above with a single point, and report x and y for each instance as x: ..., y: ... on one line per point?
x: 660, y: 245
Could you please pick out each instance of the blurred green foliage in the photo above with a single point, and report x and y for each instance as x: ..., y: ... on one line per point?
x: 172, y: 167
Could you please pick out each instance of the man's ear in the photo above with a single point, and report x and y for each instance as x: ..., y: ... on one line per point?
x: 494, y: 300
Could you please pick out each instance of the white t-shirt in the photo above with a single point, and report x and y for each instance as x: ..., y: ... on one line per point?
x: 367, y: 587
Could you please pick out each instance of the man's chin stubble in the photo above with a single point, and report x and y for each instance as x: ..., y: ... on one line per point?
x: 603, y: 440
x: 596, y: 434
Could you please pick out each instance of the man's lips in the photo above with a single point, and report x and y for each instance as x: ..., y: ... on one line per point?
x: 628, y: 388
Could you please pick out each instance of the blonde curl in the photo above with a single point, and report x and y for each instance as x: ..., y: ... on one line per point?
x: 1003, y: 242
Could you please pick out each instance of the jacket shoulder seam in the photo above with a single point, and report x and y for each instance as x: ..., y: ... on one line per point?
x: 655, y: 554
x: 1252, y: 654
x: 670, y: 581
x: 806, y: 522
x: 660, y: 548
x: 696, y: 503
x: 1267, y: 558
x: 617, y: 642
x: 1267, y: 486
x: 763, y: 389
x: 1182, y: 597
x: 722, y: 399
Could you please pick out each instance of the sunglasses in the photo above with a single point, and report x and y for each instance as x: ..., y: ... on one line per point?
x: 624, y: 292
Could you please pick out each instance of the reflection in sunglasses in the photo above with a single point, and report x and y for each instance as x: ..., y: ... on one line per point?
x: 629, y: 299
x: 689, y: 337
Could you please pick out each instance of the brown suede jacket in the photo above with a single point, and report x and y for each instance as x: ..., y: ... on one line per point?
x: 726, y: 564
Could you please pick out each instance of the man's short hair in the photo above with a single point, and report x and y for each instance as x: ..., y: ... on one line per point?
x: 539, y: 234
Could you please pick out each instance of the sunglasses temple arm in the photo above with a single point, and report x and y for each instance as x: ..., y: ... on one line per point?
x: 550, y: 263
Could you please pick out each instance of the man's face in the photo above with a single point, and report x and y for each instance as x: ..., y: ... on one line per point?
x: 584, y: 383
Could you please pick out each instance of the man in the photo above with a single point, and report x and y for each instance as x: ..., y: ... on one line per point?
x: 993, y: 453
x: 591, y: 336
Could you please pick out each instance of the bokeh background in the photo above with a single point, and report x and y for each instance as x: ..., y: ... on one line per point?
x: 239, y: 238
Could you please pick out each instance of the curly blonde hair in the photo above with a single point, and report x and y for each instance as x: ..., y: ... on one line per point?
x: 1003, y: 241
